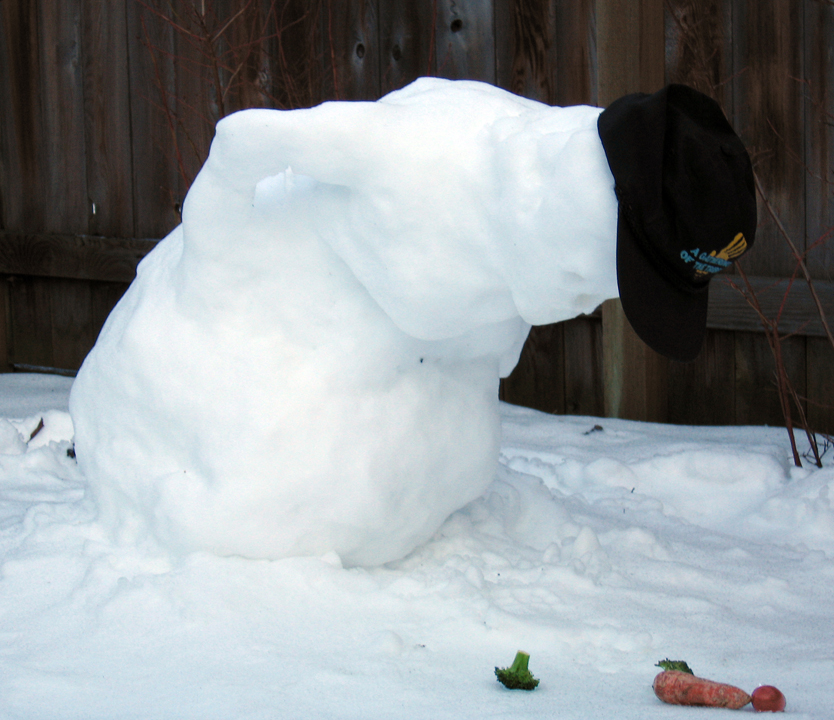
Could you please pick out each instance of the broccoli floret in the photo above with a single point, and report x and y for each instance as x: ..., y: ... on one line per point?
x: 517, y: 676
x: 680, y: 665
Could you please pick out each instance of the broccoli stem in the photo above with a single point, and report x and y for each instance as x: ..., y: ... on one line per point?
x: 517, y: 676
x: 519, y: 666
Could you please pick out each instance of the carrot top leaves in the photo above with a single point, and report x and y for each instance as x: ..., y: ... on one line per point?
x: 679, y: 665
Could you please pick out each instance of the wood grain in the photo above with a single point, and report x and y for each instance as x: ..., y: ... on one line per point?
x: 630, y: 52
x: 297, y: 63
x: 62, y: 187
x: 407, y: 41
x: 583, y: 366
x: 72, y: 332
x: 538, y: 379
x: 635, y: 377
x: 525, y: 30
x: 702, y: 392
x: 5, y: 329
x: 351, y: 49
x: 756, y: 397
x: 155, y: 186
x: 818, y: 91
x: 576, y: 74
x: 790, y: 301
x: 820, y: 384
x: 79, y: 257
x: 19, y: 68
x: 30, y: 316
x: 699, y: 49
x: 769, y: 116
x: 465, y: 34
x: 107, y: 120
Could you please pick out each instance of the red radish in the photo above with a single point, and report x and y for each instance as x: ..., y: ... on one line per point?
x: 677, y: 685
x: 767, y: 698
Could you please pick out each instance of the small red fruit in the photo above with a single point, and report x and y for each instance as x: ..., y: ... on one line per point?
x: 767, y: 698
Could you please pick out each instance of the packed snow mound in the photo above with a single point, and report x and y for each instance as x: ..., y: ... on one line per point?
x: 597, y: 577
x: 347, y: 286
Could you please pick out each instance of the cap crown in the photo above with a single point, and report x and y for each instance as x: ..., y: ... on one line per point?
x: 687, y: 205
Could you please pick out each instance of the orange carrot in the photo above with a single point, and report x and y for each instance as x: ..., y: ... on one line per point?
x: 682, y: 687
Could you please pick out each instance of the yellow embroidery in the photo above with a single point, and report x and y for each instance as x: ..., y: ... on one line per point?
x: 734, y: 249
x: 731, y: 252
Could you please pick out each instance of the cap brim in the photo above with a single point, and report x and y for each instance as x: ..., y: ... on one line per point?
x: 670, y: 320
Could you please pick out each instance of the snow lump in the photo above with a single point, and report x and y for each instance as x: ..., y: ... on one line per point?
x: 309, y: 363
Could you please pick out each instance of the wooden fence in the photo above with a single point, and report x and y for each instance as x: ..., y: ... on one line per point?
x: 108, y: 109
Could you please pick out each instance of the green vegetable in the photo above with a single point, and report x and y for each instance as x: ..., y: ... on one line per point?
x: 517, y: 676
x: 679, y: 665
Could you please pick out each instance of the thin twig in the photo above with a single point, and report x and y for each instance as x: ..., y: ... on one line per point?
x: 771, y: 329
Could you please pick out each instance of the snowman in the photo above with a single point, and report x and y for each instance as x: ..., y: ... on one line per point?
x: 309, y: 363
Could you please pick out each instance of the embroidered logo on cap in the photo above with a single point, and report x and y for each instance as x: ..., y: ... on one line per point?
x: 705, y: 264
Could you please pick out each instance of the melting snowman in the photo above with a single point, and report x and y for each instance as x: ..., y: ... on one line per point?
x: 310, y: 362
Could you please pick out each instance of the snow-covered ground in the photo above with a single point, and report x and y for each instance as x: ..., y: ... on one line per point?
x: 601, y: 547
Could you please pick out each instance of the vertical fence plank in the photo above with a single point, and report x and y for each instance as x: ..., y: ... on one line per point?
x: 583, y: 367
x: 769, y: 116
x: 757, y: 400
x: 576, y: 80
x: 635, y: 378
x: 819, y: 198
x: 526, y: 65
x: 630, y: 52
x: 527, y: 58
x: 465, y: 34
x: 297, y: 62
x: 699, y: 54
x: 247, y: 40
x: 702, y: 392
x: 103, y: 297
x: 819, y: 134
x: 618, y: 45
x: 820, y: 368
x: 768, y: 113
x: 576, y: 73
x: 18, y: 132
x: 200, y: 101
x: 155, y: 166
x: 46, y: 123
x: 42, y: 130
x: 407, y: 42
x: 699, y: 47
x: 351, y: 42
x: 5, y: 329
x: 63, y: 188
x: 534, y: 383
x: 107, y: 120
x: 30, y: 315
x: 72, y: 330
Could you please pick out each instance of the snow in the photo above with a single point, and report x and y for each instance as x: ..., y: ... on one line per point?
x: 600, y: 547
x: 310, y: 362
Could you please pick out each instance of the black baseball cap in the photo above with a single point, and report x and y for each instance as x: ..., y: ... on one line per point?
x: 687, y: 210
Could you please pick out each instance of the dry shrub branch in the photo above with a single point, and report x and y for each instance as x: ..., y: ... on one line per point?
x: 210, y: 58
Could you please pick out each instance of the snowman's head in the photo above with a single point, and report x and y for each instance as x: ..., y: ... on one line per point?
x: 687, y: 210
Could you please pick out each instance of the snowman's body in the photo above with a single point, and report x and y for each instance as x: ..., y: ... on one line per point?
x: 310, y: 362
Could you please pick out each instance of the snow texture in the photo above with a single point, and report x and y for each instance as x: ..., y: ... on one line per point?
x: 310, y: 362
x: 600, y: 547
